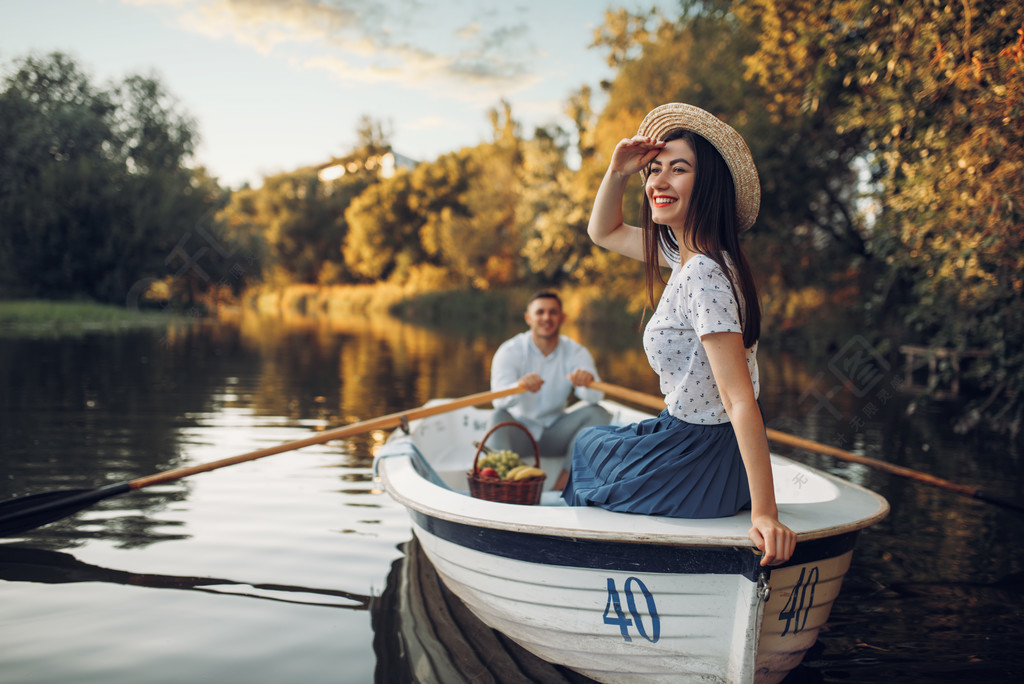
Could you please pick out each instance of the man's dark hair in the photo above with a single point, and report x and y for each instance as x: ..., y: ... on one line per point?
x: 545, y: 294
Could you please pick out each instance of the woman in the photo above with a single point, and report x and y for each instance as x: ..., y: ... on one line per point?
x: 706, y: 455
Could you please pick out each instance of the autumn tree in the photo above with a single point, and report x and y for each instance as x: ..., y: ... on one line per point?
x: 481, y: 244
x: 935, y: 90
x: 299, y: 219
x: 551, y: 214
x: 300, y: 215
x: 456, y: 213
x: 386, y: 219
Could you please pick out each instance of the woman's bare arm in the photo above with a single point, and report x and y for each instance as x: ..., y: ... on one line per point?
x: 729, y: 366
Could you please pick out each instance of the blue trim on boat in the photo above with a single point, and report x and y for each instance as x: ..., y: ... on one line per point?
x: 623, y: 556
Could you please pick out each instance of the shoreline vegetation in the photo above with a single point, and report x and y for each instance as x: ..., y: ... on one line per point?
x: 70, y: 317
x: 492, y: 310
x: 584, y: 306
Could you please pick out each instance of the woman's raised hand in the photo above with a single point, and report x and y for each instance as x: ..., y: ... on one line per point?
x: 634, y: 154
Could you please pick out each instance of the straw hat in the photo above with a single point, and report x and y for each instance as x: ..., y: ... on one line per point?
x: 727, y: 141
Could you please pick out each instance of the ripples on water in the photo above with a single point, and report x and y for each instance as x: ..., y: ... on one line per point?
x: 272, y: 571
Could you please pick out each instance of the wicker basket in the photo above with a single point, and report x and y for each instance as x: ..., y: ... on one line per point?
x: 525, y: 491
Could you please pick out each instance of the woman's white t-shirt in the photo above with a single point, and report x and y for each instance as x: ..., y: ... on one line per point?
x: 698, y: 300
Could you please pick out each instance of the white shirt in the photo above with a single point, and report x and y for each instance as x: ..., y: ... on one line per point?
x: 519, y: 356
x: 698, y: 300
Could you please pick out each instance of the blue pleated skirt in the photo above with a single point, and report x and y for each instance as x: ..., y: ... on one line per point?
x: 660, y: 466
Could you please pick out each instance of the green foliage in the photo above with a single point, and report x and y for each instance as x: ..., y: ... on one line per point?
x: 95, y: 194
x: 476, y: 237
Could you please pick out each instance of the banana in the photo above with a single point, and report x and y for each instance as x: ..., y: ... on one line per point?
x: 525, y: 472
x: 511, y: 474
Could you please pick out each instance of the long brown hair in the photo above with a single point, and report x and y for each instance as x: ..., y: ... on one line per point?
x: 709, y: 229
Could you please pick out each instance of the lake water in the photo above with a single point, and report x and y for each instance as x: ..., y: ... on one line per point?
x: 288, y: 569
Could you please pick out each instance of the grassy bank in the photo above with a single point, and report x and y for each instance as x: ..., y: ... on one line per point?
x: 43, y: 317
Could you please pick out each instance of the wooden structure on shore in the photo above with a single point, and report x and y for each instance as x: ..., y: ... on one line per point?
x: 917, y: 357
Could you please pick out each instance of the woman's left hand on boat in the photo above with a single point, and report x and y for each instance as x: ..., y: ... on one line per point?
x: 773, y: 539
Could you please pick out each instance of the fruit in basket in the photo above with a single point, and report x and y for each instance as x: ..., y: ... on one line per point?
x: 502, y: 461
x: 489, y: 473
x: 524, y: 472
x: 511, y: 475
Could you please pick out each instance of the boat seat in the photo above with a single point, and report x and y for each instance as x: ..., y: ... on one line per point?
x: 550, y: 498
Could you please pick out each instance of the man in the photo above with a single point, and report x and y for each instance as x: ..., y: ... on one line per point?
x: 549, y: 365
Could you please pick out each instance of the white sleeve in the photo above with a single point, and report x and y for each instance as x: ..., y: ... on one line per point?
x: 710, y: 304
x: 505, y: 372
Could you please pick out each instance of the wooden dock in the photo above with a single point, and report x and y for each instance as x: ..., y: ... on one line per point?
x: 917, y: 357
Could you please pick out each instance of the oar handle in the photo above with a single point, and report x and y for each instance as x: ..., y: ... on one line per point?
x: 387, y: 422
x: 809, y: 445
x: 626, y: 394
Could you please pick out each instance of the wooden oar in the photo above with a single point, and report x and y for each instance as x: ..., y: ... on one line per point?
x: 658, y: 403
x: 28, y: 512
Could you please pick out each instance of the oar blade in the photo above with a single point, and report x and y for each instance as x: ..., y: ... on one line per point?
x: 999, y: 500
x: 35, y: 510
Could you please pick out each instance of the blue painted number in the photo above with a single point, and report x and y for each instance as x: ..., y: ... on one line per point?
x: 800, y: 602
x: 613, y: 614
x: 620, y: 619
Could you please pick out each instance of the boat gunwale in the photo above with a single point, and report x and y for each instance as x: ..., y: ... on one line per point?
x: 625, y: 555
x: 398, y: 475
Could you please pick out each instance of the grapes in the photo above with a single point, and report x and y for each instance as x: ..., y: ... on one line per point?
x: 502, y: 461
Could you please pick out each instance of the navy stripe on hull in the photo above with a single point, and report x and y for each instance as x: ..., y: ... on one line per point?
x: 623, y: 556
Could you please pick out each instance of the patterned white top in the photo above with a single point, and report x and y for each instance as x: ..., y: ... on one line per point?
x: 698, y: 300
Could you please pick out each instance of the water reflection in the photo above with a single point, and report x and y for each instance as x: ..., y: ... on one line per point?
x: 29, y: 564
x: 424, y: 633
x: 352, y: 369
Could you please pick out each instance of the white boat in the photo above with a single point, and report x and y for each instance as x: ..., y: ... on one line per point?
x: 620, y: 597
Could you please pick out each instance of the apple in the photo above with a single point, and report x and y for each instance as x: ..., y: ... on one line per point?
x: 489, y: 473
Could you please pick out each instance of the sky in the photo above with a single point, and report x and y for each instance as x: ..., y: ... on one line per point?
x: 276, y: 85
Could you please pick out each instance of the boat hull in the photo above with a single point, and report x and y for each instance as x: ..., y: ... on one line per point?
x: 641, y: 612
x: 629, y: 598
